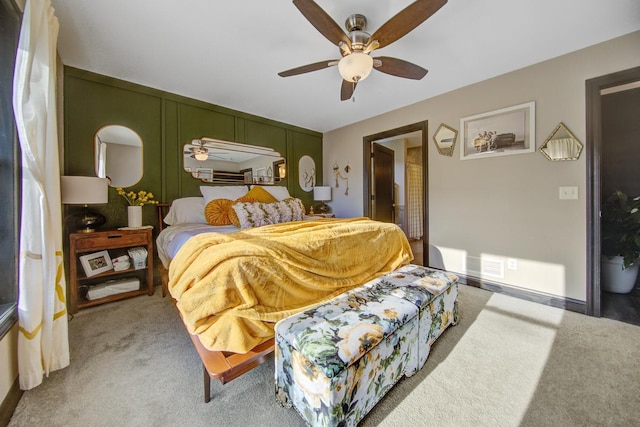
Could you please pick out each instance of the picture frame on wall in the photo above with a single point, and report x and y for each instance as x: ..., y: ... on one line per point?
x: 96, y: 263
x: 500, y: 132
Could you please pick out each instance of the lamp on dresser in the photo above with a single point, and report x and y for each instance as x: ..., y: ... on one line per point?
x: 85, y: 190
x: 322, y: 194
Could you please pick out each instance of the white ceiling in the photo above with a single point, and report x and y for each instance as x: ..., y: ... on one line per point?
x: 229, y: 53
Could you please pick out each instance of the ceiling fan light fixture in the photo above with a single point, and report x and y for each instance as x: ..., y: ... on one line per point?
x: 201, y: 156
x: 355, y: 67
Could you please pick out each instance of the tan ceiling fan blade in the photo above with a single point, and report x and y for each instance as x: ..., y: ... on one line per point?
x: 322, y: 21
x: 308, y: 68
x: 399, y: 68
x: 405, y: 21
x: 347, y: 89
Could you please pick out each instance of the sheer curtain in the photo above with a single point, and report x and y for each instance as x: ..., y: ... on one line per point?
x: 43, y: 344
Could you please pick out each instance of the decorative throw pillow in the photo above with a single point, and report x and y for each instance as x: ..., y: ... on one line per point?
x: 233, y: 217
x: 217, y: 212
x: 261, y: 195
x: 220, y: 211
x: 259, y: 214
x: 277, y: 191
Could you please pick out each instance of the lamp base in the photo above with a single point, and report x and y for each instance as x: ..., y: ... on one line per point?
x: 322, y: 208
x: 86, y: 221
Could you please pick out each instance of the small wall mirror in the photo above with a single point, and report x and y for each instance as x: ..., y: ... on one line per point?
x: 561, y: 145
x: 118, y: 155
x: 216, y: 161
x: 306, y: 173
x: 445, y: 139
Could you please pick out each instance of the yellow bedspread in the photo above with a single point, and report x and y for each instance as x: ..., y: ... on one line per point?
x: 232, y: 288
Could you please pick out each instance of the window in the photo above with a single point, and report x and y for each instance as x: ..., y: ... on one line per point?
x: 9, y: 168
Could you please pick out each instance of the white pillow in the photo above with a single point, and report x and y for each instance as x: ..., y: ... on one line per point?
x: 231, y: 192
x: 278, y: 192
x: 186, y: 210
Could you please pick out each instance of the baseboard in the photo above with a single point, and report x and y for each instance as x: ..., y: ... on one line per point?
x: 10, y: 403
x: 569, y: 304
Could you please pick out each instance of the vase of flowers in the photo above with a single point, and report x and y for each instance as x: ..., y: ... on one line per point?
x: 136, y: 201
x: 620, y: 242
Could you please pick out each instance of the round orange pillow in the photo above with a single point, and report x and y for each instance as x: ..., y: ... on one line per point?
x: 217, y: 212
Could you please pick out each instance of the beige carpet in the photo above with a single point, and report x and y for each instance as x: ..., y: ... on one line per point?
x: 508, y: 363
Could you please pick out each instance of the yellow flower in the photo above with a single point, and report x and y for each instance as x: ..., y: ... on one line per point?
x: 140, y: 198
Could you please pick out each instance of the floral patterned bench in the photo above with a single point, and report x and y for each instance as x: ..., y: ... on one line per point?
x: 335, y: 361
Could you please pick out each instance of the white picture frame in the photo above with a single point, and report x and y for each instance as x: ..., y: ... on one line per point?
x: 500, y: 132
x: 96, y: 263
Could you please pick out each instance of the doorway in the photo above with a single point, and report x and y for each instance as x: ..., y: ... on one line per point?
x: 604, y: 173
x: 395, y: 183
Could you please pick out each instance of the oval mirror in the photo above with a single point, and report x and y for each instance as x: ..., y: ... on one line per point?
x: 306, y: 173
x: 118, y: 155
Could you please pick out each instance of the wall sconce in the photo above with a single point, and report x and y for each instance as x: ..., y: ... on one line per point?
x: 85, y: 190
x: 282, y: 170
x: 322, y: 194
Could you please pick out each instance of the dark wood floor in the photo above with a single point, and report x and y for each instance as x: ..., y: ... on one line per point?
x: 622, y: 307
x: 416, y: 247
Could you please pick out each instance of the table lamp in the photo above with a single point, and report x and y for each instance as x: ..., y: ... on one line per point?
x: 322, y: 194
x: 85, y: 190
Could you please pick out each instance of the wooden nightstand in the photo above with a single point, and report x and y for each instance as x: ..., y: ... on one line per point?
x: 116, y: 243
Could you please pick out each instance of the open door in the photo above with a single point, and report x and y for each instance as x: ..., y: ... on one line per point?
x: 382, y: 199
x: 391, y: 194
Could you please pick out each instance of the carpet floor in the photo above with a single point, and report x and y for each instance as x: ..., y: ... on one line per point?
x: 508, y: 362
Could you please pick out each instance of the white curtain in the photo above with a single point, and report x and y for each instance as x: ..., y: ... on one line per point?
x: 43, y: 344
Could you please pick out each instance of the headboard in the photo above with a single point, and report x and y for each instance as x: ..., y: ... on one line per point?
x: 162, y: 209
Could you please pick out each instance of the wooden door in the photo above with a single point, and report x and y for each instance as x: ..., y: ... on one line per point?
x: 383, y: 180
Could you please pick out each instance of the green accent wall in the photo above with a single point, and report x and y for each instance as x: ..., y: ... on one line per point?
x: 166, y: 122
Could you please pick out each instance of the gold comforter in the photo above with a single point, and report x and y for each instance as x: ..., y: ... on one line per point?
x: 232, y: 288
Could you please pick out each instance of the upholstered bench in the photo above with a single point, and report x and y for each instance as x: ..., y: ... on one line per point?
x: 335, y: 361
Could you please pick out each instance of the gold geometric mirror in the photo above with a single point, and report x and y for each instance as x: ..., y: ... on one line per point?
x: 445, y: 139
x: 561, y: 145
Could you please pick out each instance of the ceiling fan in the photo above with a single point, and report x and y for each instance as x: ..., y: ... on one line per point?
x: 356, y: 46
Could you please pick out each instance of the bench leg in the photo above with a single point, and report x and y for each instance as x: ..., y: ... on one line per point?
x: 207, y: 385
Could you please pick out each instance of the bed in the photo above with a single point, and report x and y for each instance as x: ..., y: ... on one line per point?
x: 232, y: 282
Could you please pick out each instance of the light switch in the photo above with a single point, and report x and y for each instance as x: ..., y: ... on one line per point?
x: 568, y: 193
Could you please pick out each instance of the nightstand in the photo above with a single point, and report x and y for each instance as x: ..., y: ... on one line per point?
x: 91, y: 250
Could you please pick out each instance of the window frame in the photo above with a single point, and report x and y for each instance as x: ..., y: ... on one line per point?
x: 10, y: 152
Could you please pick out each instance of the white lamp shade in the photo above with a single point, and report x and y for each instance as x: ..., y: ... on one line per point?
x: 322, y: 193
x: 355, y: 67
x: 84, y: 190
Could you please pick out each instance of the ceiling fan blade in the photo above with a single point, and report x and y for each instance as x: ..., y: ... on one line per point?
x: 347, y: 89
x: 322, y: 21
x: 406, y: 20
x: 399, y: 68
x: 308, y: 68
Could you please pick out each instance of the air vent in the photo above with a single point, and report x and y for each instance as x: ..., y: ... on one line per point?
x: 485, y: 267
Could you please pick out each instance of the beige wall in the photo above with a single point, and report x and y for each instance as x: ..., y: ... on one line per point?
x: 8, y: 361
x: 502, y: 207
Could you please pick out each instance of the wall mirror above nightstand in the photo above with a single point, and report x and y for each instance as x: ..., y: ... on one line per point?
x: 561, y: 145
x: 118, y: 155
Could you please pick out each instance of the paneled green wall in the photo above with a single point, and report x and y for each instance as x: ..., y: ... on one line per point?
x: 167, y: 121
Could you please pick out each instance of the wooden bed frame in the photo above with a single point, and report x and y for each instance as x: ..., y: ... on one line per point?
x: 218, y: 365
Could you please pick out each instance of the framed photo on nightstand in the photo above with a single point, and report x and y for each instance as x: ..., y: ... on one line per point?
x: 96, y: 263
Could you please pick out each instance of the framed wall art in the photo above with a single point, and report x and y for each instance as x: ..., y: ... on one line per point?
x: 501, y: 132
